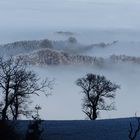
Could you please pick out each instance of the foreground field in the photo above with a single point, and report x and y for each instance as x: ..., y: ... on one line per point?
x: 113, y: 129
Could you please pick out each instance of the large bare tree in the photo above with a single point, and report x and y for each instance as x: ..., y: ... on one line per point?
x: 17, y: 85
x: 97, y: 89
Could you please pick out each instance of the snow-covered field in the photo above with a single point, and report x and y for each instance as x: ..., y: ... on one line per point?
x: 113, y: 129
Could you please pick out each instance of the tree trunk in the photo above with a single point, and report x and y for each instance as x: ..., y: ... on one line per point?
x: 94, y: 114
x: 4, y: 113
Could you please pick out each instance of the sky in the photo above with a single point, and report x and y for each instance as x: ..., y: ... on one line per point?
x: 34, y: 19
x: 45, y: 14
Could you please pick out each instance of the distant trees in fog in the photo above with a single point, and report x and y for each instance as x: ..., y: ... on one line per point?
x: 53, y: 57
x: 125, y: 58
x: 72, y: 40
x: 20, y: 47
x: 96, y: 89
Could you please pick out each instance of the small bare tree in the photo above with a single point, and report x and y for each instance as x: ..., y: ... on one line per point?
x: 17, y: 85
x: 133, y: 132
x: 35, y: 127
x: 96, y: 89
x: 36, y: 116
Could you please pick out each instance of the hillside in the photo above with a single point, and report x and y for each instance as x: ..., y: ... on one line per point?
x: 111, y: 129
x: 55, y: 57
x: 70, y: 51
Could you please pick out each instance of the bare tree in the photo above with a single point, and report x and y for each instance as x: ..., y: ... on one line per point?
x: 96, y: 90
x: 17, y: 85
x: 36, y: 116
x: 6, y: 75
x: 35, y: 129
x: 133, y: 132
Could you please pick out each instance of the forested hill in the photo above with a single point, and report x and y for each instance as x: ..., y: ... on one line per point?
x: 70, y: 51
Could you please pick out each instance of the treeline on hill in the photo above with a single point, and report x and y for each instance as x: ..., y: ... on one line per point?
x: 70, y: 51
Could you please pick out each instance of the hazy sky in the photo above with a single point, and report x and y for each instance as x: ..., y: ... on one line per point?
x: 33, y: 19
x: 33, y: 14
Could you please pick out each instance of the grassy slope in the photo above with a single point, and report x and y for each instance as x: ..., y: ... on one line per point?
x: 113, y: 129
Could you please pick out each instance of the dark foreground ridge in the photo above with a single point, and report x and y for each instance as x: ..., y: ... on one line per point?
x: 111, y: 129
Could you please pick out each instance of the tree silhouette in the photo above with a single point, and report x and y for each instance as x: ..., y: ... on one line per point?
x: 35, y: 127
x: 96, y: 90
x: 17, y: 85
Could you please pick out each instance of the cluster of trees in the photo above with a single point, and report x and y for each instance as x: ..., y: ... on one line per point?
x: 17, y: 86
x: 16, y: 48
x: 125, y: 58
x: 54, y: 57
